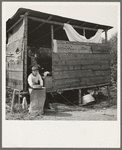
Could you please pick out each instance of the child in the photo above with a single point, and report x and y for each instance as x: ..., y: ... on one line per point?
x: 35, y: 78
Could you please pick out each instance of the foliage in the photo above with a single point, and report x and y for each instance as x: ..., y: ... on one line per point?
x: 113, y: 59
x: 113, y: 52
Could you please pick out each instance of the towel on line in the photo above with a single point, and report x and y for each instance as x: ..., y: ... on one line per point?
x: 73, y: 35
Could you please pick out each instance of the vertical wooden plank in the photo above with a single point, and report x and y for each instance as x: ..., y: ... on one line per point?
x: 108, y: 91
x: 19, y: 98
x: 106, y: 37
x: 80, y: 96
x: 52, y: 37
x: 83, y: 32
x: 52, y: 47
x: 13, y: 99
x: 25, y: 54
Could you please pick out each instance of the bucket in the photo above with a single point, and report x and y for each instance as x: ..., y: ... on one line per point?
x: 87, y: 99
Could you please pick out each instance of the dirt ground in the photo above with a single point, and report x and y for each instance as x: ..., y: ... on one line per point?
x: 69, y: 114
x: 102, y: 110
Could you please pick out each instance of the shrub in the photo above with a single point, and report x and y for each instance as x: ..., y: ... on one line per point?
x: 113, y: 52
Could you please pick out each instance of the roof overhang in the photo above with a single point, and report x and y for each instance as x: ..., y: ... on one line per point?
x: 55, y: 18
x: 39, y: 26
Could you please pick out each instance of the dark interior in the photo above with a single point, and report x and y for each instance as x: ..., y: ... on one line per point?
x: 39, y: 40
x: 39, y: 34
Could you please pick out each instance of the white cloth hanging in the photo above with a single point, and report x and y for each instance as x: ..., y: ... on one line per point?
x: 73, y: 35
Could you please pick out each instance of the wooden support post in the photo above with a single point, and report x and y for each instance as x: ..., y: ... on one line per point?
x: 108, y: 91
x: 83, y: 32
x: 25, y: 55
x: 13, y: 99
x: 52, y: 37
x: 106, y: 38
x: 19, y: 97
x: 80, y: 96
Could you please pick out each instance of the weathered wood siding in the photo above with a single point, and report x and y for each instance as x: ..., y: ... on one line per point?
x: 14, y: 58
x: 14, y: 70
x: 77, y: 64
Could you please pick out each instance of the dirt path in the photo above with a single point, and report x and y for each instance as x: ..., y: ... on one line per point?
x: 71, y: 113
x: 108, y: 114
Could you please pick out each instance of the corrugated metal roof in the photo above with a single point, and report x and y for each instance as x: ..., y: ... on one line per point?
x: 37, y: 14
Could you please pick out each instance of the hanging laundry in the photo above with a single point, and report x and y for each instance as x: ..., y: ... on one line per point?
x: 73, y: 35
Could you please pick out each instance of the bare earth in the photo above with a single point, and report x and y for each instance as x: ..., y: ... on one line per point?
x: 104, y: 110
x: 71, y: 114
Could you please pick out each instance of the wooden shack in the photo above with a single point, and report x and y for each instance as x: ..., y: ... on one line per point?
x: 36, y: 37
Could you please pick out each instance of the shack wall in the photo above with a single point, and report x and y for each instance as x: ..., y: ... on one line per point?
x: 77, y: 64
x: 14, y: 57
